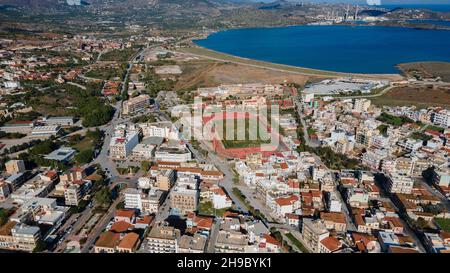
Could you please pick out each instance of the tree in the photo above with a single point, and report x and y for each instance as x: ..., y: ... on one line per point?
x: 41, y: 245
x: 145, y: 165
x: 103, y: 197
x: 84, y: 156
x: 44, y: 147
x: 3, y: 216
x: 422, y: 223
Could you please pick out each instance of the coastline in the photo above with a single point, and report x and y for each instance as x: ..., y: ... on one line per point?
x: 200, y: 51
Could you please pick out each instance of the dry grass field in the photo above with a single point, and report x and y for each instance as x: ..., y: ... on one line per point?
x: 207, y: 73
x: 418, y: 96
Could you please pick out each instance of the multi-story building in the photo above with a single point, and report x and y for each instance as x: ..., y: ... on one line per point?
x: 441, y: 176
x: 4, y: 190
x: 441, y: 118
x: 15, y: 166
x: 361, y: 105
x: 15, y: 181
x: 73, y: 194
x: 163, y: 239
x: 372, y: 159
x: 122, y: 143
x: 146, y: 203
x: 165, y: 179
x: 25, y: 237
x: 399, y: 183
x: 192, y: 244
x: 363, y: 136
x: 142, y: 152
x: 358, y: 197
x: 404, y: 165
x: 173, y: 154
x: 231, y: 242
x: 314, y: 231
x: 334, y: 221
x: 184, y: 196
x: 160, y: 129
x: 136, y: 104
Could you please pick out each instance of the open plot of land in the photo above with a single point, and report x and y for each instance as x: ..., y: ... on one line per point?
x: 261, y: 137
x: 207, y: 73
x: 427, y: 70
x: 214, y: 55
x: 444, y: 224
x: 419, y: 96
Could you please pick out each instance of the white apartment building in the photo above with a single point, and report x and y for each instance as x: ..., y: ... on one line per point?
x: 132, y: 198
x: 441, y: 118
x: 122, y: 143
x: 142, y: 152
x: 136, y: 104
x: 410, y: 144
x: 441, y: 176
x: 399, y: 183
x: 163, y: 239
x: 175, y: 154
x: 160, y: 129
x: 361, y: 105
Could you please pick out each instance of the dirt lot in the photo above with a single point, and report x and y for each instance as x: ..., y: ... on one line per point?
x: 206, y: 73
x: 427, y: 70
x: 419, y: 96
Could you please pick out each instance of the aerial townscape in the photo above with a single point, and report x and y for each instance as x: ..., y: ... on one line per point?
x: 121, y: 133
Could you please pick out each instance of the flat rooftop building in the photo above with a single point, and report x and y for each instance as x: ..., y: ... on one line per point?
x: 62, y: 154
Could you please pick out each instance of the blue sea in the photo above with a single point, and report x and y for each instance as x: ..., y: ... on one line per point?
x: 355, y: 49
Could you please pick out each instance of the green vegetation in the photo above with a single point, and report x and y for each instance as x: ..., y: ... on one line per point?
x: 297, y: 243
x: 162, y: 62
x: 420, y: 136
x: 103, y: 197
x: 144, y: 118
x: 435, y: 128
x: 118, y: 55
x: 310, y: 131
x: 334, y: 160
x: 3, y: 216
x: 146, y: 165
x: 106, y: 73
x: 154, y: 84
x: 89, y: 142
x: 84, y: 157
x: 11, y: 135
x: 383, y: 129
x: 393, y: 120
x: 245, y: 143
x: 443, y: 223
x: 45, y: 147
x: 206, y: 208
x: 81, y: 207
x: 120, y: 205
x: 250, y: 208
x: 277, y: 235
x: 41, y: 245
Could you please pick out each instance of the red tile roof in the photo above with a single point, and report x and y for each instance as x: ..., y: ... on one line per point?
x: 129, y: 241
x: 121, y: 226
x: 331, y: 243
x: 125, y: 213
x: 271, y: 240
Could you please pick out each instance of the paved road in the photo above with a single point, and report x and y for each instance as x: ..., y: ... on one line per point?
x: 308, y: 141
x: 213, y: 236
x: 100, y: 226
